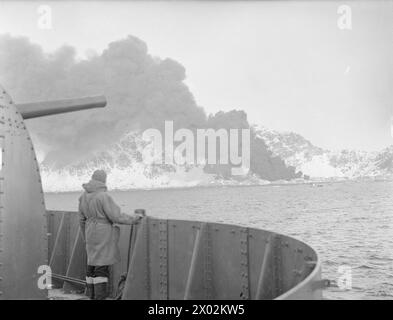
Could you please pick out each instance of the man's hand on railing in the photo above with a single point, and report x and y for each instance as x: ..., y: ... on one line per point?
x: 138, y: 218
x: 139, y: 215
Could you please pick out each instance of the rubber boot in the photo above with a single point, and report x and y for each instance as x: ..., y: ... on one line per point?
x: 100, y: 288
x: 89, y: 292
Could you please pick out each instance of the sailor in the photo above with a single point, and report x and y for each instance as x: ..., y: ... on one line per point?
x: 99, y: 215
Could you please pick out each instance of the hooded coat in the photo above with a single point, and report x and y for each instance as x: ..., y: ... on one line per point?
x: 98, y: 216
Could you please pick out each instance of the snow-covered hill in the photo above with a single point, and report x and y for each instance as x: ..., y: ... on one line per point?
x: 318, y: 163
x: 127, y: 170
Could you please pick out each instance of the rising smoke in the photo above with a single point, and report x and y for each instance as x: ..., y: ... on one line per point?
x: 142, y: 92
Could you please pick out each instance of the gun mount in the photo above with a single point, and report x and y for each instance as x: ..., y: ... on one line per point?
x: 23, y: 229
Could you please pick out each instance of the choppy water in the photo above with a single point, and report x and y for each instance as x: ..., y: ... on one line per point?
x: 347, y: 223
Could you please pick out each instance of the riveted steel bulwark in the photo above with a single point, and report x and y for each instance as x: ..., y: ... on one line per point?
x: 244, y: 254
x: 173, y: 259
x: 2, y: 125
x: 163, y: 247
x: 146, y: 235
x: 76, y: 263
x: 208, y: 268
x: 58, y: 253
x: 277, y: 266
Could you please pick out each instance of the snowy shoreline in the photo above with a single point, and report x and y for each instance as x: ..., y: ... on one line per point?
x: 230, y: 184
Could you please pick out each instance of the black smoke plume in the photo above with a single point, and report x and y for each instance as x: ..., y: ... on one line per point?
x: 142, y: 92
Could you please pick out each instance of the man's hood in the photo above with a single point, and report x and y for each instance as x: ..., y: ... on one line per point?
x: 94, y: 186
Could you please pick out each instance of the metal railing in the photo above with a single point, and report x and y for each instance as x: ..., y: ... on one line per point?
x: 174, y: 259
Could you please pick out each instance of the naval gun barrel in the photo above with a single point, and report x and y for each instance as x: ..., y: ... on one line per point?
x: 48, y: 108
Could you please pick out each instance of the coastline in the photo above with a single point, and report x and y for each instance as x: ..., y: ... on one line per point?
x: 233, y: 184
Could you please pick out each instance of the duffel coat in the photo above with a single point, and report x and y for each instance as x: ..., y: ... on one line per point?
x: 98, y: 216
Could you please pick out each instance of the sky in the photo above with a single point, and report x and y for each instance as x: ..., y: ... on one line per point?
x: 288, y: 64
